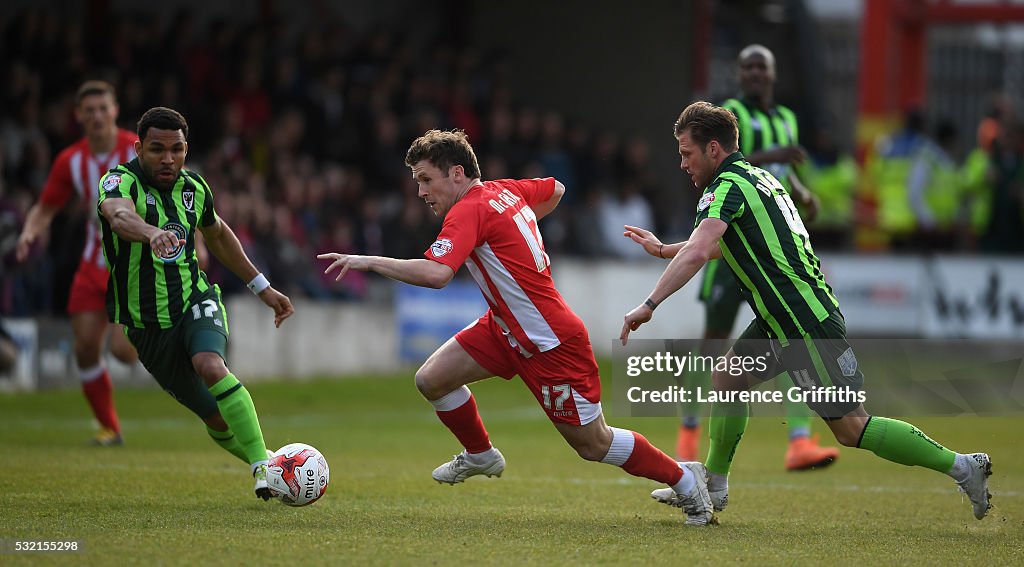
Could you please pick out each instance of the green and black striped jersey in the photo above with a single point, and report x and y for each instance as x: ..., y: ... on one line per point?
x: 760, y: 130
x: 145, y: 290
x: 767, y: 248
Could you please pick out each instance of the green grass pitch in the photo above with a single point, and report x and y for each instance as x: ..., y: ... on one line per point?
x: 170, y: 496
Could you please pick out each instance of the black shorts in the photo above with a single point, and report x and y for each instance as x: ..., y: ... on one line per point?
x: 167, y: 353
x: 821, y: 363
x: 721, y: 295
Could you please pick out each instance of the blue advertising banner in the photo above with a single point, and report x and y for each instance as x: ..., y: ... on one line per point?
x: 426, y: 318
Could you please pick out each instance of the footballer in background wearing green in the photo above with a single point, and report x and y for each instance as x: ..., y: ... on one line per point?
x: 746, y: 217
x: 149, y: 210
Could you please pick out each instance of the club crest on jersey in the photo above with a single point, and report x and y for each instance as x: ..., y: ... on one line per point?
x: 111, y: 183
x: 180, y: 232
x: 705, y: 201
x: 188, y: 198
x: 440, y: 247
x: 150, y: 200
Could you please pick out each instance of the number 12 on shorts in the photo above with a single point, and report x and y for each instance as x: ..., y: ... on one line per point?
x: 562, y: 393
x: 208, y: 311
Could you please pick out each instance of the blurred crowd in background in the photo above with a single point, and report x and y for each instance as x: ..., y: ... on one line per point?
x: 302, y: 137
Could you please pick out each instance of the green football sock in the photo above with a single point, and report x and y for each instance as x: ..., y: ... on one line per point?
x: 728, y: 422
x: 238, y: 412
x: 227, y: 441
x: 798, y: 415
x: 901, y: 442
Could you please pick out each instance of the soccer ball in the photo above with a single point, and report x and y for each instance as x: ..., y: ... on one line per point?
x: 298, y: 474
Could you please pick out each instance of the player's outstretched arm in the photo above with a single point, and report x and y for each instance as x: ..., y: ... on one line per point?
x: 126, y: 223
x: 40, y: 216
x: 222, y: 243
x: 652, y: 245
x: 418, y: 272
x: 701, y: 247
x: 542, y: 209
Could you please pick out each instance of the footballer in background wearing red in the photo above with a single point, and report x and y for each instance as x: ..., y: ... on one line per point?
x: 75, y: 174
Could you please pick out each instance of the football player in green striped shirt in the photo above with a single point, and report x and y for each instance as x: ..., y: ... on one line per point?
x: 768, y: 138
x: 149, y: 210
x: 747, y: 218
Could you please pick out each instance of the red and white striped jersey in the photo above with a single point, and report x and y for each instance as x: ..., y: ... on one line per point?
x: 77, y: 171
x: 493, y: 231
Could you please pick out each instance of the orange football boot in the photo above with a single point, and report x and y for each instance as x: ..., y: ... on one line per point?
x: 688, y: 443
x: 805, y: 454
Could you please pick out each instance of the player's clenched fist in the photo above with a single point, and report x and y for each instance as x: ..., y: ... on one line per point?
x: 165, y: 242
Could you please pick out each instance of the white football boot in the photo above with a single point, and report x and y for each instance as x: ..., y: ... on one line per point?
x: 666, y: 496
x: 463, y: 466
x: 976, y: 485
x: 719, y: 498
x: 261, y: 488
x: 697, y: 505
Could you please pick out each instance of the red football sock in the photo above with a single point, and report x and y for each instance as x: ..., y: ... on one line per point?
x: 100, y: 393
x: 465, y: 423
x: 649, y: 462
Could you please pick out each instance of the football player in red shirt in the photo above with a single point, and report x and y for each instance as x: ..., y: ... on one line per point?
x: 491, y: 228
x: 76, y: 173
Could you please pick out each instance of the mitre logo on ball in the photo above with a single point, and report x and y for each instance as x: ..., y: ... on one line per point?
x: 298, y: 474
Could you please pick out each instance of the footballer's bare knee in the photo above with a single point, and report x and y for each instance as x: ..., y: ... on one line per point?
x: 430, y: 385
x: 848, y: 429
x: 436, y: 378
x: 210, y: 367
x: 846, y: 437
x: 587, y: 453
x: 723, y: 381
x: 89, y: 328
x: 590, y: 450
x: 591, y: 442
x: 88, y: 348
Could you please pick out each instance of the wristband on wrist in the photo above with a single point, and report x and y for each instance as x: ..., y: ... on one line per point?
x: 661, y: 247
x: 258, y: 284
x: 650, y: 303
